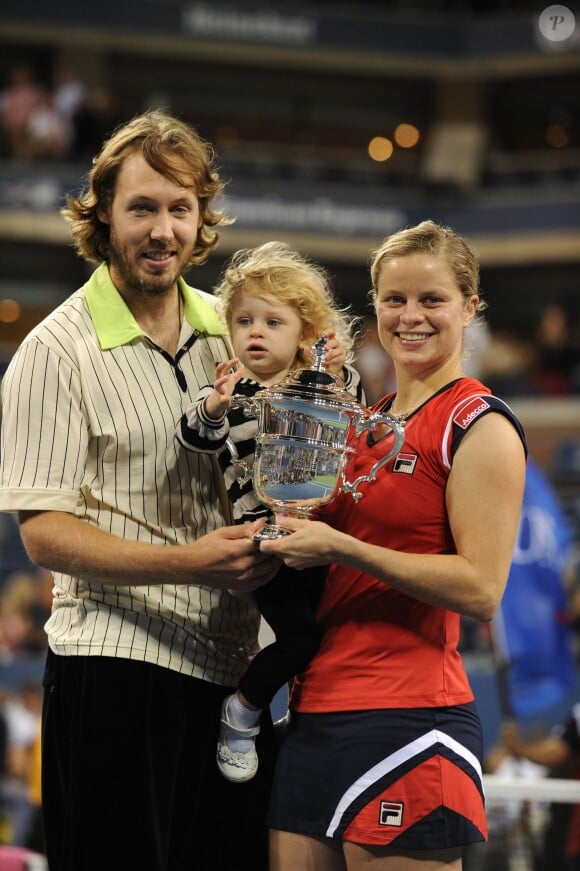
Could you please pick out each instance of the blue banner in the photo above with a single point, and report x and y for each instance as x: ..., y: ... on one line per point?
x: 532, y: 634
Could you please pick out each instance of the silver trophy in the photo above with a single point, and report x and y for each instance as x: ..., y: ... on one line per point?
x: 302, y: 442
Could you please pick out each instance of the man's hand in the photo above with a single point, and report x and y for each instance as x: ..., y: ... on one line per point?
x: 229, y: 558
x: 510, y: 737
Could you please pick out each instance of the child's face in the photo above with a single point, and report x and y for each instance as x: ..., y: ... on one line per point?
x: 266, y: 336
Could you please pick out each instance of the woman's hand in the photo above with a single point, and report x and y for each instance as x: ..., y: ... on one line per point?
x: 312, y: 543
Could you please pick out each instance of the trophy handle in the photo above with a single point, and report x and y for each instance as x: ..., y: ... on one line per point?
x: 249, y: 404
x: 362, y: 424
x: 242, y: 470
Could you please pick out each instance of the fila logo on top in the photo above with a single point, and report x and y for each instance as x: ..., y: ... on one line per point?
x: 390, y: 813
x: 468, y: 412
x: 405, y: 462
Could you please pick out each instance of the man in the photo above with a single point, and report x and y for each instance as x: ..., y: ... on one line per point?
x: 145, y: 637
x: 560, y: 753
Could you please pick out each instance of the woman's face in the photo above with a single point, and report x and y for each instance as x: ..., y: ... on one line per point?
x: 421, y: 313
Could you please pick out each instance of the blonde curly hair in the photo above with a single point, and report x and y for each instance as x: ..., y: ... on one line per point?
x: 277, y: 271
x: 439, y: 241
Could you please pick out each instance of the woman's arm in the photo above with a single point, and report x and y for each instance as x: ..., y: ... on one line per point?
x: 484, y: 496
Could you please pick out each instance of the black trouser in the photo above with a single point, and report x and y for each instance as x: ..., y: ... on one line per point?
x: 289, y: 604
x: 129, y: 777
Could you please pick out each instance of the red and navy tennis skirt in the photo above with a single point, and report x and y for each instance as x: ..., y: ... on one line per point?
x: 406, y: 778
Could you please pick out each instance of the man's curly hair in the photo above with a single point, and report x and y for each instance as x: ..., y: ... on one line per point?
x: 172, y: 148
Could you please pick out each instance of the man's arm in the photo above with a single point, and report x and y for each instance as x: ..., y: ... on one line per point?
x: 551, y: 751
x: 226, y: 558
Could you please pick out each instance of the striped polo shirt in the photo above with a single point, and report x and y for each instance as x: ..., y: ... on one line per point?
x: 90, y: 407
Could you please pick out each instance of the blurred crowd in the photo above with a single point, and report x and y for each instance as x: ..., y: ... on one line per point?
x: 25, y: 597
x: 57, y: 121
x: 60, y: 117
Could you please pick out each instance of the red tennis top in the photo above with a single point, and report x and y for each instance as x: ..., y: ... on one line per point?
x: 381, y: 648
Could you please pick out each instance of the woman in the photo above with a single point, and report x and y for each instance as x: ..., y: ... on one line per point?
x: 381, y: 767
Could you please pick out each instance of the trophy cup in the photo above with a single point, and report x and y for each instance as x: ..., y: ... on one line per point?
x: 302, y: 442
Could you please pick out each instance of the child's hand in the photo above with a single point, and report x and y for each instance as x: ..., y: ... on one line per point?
x: 335, y: 354
x: 226, y: 378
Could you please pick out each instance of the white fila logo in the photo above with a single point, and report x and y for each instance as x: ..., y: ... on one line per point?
x: 405, y: 462
x: 391, y: 813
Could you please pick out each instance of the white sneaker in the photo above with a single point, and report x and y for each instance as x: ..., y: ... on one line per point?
x: 235, y: 766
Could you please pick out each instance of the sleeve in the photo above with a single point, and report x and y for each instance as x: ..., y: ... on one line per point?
x: 469, y: 410
x: 44, y: 432
x: 198, y: 432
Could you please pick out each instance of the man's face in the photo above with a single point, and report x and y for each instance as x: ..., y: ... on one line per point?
x: 153, y: 229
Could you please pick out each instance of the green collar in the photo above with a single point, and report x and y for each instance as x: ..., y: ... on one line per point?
x: 114, y: 323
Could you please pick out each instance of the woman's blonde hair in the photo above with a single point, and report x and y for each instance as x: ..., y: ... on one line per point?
x: 286, y: 276
x: 431, y: 238
x: 172, y: 148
